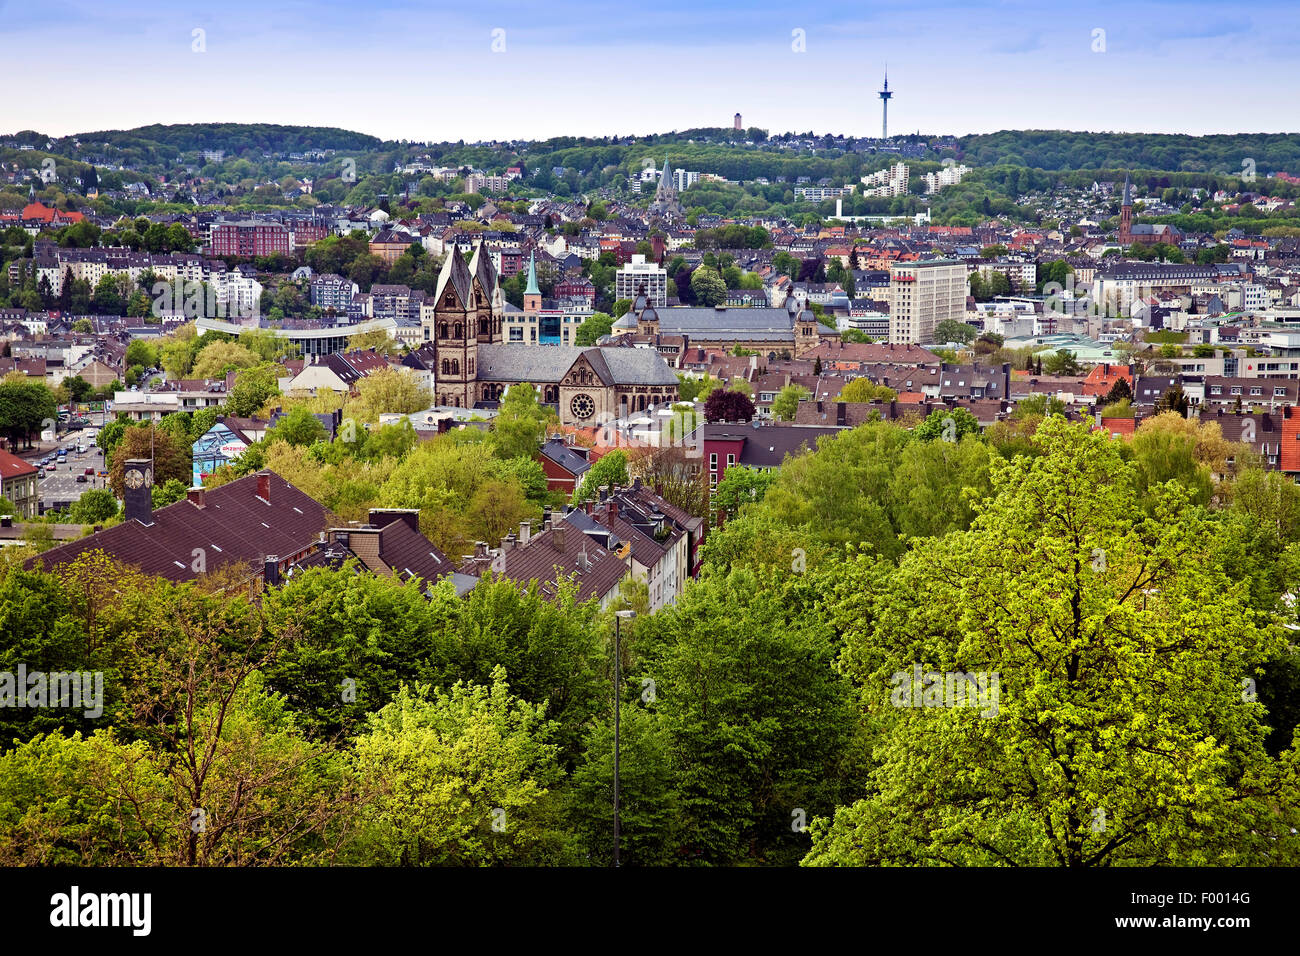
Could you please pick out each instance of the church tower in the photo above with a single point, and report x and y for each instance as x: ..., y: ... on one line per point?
x: 666, y: 205
x: 1126, y: 214
x: 532, y: 294
x: 452, y: 326
x: 489, y: 299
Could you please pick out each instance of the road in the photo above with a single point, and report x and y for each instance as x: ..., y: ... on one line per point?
x: 61, y: 486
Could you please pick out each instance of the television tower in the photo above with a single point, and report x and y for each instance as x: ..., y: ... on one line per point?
x: 884, y: 106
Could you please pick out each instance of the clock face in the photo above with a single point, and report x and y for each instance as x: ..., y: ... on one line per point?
x: 582, y: 406
x: 134, y: 479
x: 148, y: 477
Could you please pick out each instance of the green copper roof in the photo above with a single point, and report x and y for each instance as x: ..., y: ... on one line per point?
x: 532, y: 277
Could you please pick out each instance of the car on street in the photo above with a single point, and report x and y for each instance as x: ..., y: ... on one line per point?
x: 51, y: 467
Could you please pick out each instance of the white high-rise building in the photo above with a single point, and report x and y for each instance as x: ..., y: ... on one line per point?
x: 887, y: 182
x: 948, y: 176
x: 637, y: 273
x: 923, y: 294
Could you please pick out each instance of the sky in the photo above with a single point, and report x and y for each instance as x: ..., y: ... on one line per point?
x: 529, y: 69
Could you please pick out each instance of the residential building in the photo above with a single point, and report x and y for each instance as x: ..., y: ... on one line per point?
x: 921, y: 295
x: 249, y: 237
x: 640, y: 277
x: 19, y: 483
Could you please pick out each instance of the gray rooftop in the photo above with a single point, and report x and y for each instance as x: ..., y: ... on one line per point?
x: 550, y: 363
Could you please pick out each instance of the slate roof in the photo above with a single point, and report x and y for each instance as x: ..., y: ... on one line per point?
x: 482, y: 267
x: 564, y: 456
x: 746, y: 323
x: 767, y: 445
x: 550, y: 363
x: 544, y: 559
x: 455, y: 272
x: 235, y: 524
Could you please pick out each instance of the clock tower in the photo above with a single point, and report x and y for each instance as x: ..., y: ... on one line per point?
x: 137, y: 493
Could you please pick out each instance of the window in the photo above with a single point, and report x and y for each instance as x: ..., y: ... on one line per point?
x: 713, y: 459
x: 1279, y: 392
x: 1236, y: 390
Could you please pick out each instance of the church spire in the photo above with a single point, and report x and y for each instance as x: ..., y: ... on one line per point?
x: 532, y: 288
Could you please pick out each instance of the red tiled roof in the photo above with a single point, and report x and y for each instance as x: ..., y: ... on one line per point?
x: 11, y: 466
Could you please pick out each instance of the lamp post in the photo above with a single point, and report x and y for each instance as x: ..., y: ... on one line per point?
x: 619, y: 617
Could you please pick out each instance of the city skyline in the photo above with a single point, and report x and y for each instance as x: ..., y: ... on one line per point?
x: 271, y: 63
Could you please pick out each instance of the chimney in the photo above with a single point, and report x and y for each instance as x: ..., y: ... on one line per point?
x: 636, y: 483
x: 264, y: 486
x: 525, y: 532
x: 604, y: 492
x: 480, y: 549
x: 138, y: 491
x: 557, y: 535
x: 383, y: 517
x: 508, y: 542
x: 196, y: 497
x: 613, y: 507
x: 271, y: 571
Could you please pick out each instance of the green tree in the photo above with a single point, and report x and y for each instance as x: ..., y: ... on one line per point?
x: 757, y: 715
x: 253, y: 388
x: 1108, y: 724
x: 462, y: 778
x: 865, y: 390
x: 947, y: 424
x: 592, y: 328
x: 1063, y: 362
x: 521, y: 424
x: 93, y: 507
x: 786, y: 403
x: 610, y: 469
x: 649, y: 806
x: 741, y: 486
x: 951, y: 330
x: 707, y: 287
x: 298, y: 426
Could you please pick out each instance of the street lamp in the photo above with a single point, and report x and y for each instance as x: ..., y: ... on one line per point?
x: 619, y: 617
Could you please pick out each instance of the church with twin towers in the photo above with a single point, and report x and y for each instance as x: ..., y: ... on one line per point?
x: 472, y: 366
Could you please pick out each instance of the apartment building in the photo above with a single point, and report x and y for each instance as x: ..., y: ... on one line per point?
x: 923, y: 294
x: 250, y: 237
x: 629, y: 280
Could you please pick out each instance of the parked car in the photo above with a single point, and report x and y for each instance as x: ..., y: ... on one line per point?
x: 81, y: 478
x: 88, y: 471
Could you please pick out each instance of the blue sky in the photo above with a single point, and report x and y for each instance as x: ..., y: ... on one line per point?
x: 425, y: 69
